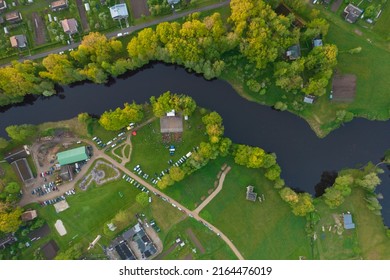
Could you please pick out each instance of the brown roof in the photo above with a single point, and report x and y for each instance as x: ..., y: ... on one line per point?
x: 16, y: 154
x: 29, y: 215
x: 344, y: 87
x: 171, y: 124
x: 18, y: 41
x: 69, y: 25
x: 12, y: 16
x: 59, y: 4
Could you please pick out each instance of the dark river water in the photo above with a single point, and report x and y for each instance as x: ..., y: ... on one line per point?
x: 301, y: 154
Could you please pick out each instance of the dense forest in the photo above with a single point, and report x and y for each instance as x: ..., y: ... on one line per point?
x: 254, y: 35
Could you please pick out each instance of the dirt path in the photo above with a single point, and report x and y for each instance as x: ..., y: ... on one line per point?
x: 217, y: 190
x: 173, y: 247
x: 195, y: 240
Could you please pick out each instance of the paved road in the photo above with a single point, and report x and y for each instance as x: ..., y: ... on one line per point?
x: 130, y: 29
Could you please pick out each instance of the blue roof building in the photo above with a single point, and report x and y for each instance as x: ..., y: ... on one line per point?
x: 348, y: 224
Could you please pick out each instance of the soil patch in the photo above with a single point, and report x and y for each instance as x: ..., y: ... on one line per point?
x: 39, y: 29
x: 61, y: 206
x: 336, y: 5
x: 83, y: 15
x: 344, y: 88
x: 139, y: 8
x: 195, y: 240
x: 161, y: 256
x: 50, y: 250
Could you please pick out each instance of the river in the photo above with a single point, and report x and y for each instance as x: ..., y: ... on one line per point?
x: 301, y: 154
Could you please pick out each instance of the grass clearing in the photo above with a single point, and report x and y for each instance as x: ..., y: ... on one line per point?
x: 215, y: 247
x: 257, y: 229
x: 152, y: 154
x: 190, y: 191
x: 367, y: 241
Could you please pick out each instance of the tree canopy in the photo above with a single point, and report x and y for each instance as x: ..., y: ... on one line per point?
x: 120, y: 118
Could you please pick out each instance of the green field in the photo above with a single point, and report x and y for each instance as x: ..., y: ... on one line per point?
x: 367, y: 241
x: 152, y: 154
x: 266, y: 230
x: 190, y: 191
x: 215, y: 248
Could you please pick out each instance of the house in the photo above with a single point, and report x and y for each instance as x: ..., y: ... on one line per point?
x: 69, y: 26
x: 59, y: 5
x: 293, y: 52
x: 3, y: 5
x: 119, y: 11
x: 29, y: 215
x: 348, y: 224
x: 250, y: 195
x: 352, y: 13
x: 72, y: 156
x: 18, y: 41
x: 13, y: 17
x: 317, y: 43
x: 309, y: 99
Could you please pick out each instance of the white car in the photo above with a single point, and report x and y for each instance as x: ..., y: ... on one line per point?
x: 119, y: 35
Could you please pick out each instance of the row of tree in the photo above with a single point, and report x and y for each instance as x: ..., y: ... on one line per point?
x: 168, y: 101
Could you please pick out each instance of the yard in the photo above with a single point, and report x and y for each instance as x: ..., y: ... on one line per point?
x: 266, y: 230
x: 152, y: 154
x: 193, y: 188
x: 206, y: 243
x: 367, y: 241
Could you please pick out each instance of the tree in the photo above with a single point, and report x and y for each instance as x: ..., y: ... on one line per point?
x: 83, y: 117
x: 333, y: 197
x: 60, y: 69
x: 224, y: 146
x: 369, y: 181
x: 165, y: 181
x: 273, y: 172
x: 269, y: 160
x: 142, y: 199
x: 12, y: 188
x: 3, y: 143
x: 9, y: 218
x: 316, y: 27
x: 304, y: 205
x: 289, y: 195
x: 176, y: 174
x: 118, y: 119
x: 72, y: 253
x: 20, y: 133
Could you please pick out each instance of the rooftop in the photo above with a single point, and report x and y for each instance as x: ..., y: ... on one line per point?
x: 119, y: 11
x: 317, y: 43
x: 171, y: 124
x: 352, y: 13
x: 50, y: 250
x: 29, y: 215
x: 69, y: 25
x: 72, y: 156
x: 22, y: 168
x: 250, y: 195
x: 293, y: 52
x: 348, y: 224
x: 16, y: 154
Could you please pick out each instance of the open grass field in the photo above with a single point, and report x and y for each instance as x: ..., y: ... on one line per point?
x: 367, y: 241
x: 266, y: 230
x: 152, y: 153
x: 190, y: 191
x: 214, y: 247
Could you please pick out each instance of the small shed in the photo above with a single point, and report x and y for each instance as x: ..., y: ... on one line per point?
x: 309, y: 99
x: 317, y: 43
x: 294, y: 52
x: 50, y: 250
x: 250, y: 195
x: 29, y: 215
x: 348, y: 223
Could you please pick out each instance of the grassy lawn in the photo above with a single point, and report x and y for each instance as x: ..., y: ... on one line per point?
x: 367, y: 241
x: 382, y: 26
x: 266, y: 230
x: 152, y: 154
x: 215, y: 248
x: 190, y: 191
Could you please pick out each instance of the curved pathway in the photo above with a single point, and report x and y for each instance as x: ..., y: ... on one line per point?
x: 218, y: 189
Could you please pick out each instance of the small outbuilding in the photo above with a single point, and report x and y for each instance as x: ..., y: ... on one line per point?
x: 293, y: 52
x: 250, y: 195
x: 317, y: 43
x: 29, y: 215
x: 59, y: 5
x: 50, y: 250
x: 309, y: 99
x: 348, y: 223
